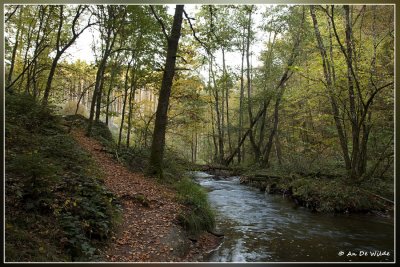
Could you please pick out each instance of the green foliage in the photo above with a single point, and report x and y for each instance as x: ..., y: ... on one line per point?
x: 199, y: 216
x: 31, y: 238
x: 37, y: 178
x: 86, y: 213
x: 51, y: 183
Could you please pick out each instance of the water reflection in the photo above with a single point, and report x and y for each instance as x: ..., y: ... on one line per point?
x: 259, y: 228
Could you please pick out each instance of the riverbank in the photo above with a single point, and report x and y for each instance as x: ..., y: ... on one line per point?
x: 261, y: 227
x: 315, y: 191
x: 322, y: 194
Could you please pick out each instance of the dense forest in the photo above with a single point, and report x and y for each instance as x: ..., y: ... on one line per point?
x: 300, y: 94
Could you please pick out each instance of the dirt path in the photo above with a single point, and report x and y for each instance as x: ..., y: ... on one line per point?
x: 148, y: 232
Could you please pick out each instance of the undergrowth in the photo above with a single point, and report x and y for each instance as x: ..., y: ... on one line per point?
x: 57, y: 208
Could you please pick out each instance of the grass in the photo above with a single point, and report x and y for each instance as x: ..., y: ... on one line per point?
x: 199, y: 216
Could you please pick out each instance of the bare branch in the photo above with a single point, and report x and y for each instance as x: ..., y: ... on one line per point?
x: 8, y: 87
x: 350, y: 64
x: 9, y: 15
x: 362, y: 11
x: 194, y: 33
x: 159, y: 21
x: 176, y: 69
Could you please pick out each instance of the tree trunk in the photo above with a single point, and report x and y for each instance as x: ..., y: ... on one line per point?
x: 256, y: 149
x: 278, y: 149
x: 113, y: 73
x: 158, y: 143
x: 99, y: 97
x: 50, y: 78
x: 225, y: 75
x: 95, y: 92
x: 229, y: 159
x: 212, y: 116
x: 124, y: 103
x: 130, y: 107
x: 27, y: 64
x: 14, y: 51
x: 353, y: 113
x: 241, y: 101
x: 330, y: 89
x: 275, y: 126
x: 218, y: 114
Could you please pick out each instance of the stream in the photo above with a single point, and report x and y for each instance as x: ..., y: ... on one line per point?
x: 259, y: 227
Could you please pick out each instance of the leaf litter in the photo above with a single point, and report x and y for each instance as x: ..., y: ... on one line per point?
x: 140, y: 237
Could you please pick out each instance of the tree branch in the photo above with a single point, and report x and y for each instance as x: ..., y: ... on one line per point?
x: 8, y: 87
x: 194, y: 33
x: 350, y: 64
x: 160, y: 21
x: 9, y: 15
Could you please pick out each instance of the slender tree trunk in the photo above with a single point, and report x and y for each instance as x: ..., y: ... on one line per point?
x: 229, y: 159
x: 225, y: 75
x: 286, y: 75
x: 278, y: 149
x: 222, y: 118
x: 27, y: 64
x: 42, y: 28
x: 95, y: 92
x: 353, y: 113
x: 212, y: 115
x: 14, y: 51
x: 110, y: 88
x: 158, y: 143
x: 330, y: 89
x: 256, y: 149
x: 218, y: 114
x: 275, y: 126
x: 56, y: 58
x: 130, y: 107
x: 99, y: 98
x: 241, y: 101
x: 50, y: 78
x: 124, y: 103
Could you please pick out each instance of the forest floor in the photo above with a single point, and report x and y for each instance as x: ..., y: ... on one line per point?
x: 148, y: 231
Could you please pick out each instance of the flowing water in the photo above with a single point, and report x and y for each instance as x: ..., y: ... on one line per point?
x: 259, y: 227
